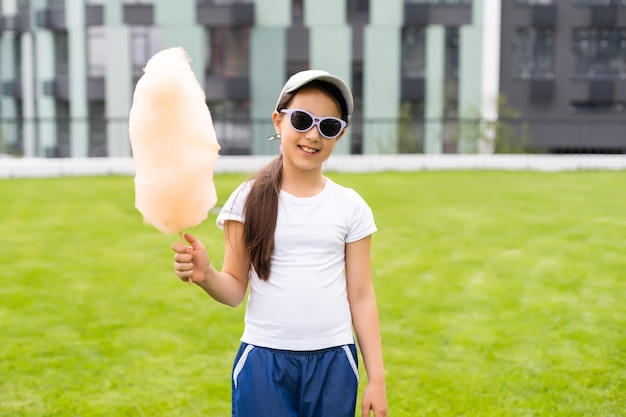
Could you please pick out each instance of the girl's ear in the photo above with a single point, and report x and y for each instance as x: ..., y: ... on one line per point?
x: 276, y: 120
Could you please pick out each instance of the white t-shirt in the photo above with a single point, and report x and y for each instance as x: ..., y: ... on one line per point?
x: 304, y: 304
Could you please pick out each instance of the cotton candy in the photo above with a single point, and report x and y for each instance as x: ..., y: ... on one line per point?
x: 174, y: 145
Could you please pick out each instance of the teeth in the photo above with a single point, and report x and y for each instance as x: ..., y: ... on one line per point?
x: 307, y: 149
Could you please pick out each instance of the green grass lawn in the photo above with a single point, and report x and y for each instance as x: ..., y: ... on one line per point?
x: 500, y: 294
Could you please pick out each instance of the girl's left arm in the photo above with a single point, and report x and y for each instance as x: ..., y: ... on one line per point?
x: 364, y: 312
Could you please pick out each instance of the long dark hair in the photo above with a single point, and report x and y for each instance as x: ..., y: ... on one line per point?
x: 261, y: 207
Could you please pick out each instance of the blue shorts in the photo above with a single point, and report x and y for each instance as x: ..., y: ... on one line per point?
x: 281, y: 383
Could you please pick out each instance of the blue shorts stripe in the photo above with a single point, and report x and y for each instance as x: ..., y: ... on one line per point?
x: 352, y: 361
x: 241, y: 363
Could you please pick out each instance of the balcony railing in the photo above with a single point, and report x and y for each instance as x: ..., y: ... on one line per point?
x: 391, y: 136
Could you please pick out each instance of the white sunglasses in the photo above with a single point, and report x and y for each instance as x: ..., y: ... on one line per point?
x: 303, y: 121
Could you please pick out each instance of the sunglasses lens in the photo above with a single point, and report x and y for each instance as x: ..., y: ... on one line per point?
x: 330, y: 127
x: 301, y: 121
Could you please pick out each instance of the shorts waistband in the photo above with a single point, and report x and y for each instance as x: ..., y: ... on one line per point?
x: 300, y: 352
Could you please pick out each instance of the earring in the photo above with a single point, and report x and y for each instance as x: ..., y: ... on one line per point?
x: 274, y: 137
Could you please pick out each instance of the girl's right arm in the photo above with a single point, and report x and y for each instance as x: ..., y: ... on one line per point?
x: 227, y: 286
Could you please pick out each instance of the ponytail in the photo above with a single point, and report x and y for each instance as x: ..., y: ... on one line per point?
x: 261, y: 212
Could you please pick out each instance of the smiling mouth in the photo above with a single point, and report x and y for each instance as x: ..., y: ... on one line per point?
x: 308, y: 150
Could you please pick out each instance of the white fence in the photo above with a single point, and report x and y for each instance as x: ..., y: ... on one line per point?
x: 56, y: 167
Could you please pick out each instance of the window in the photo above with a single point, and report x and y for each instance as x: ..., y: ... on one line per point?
x: 231, y: 120
x: 599, y: 2
x: 225, y: 2
x: 17, y: 60
x: 96, y: 51
x: 296, y: 66
x: 599, y: 53
x: 358, y: 6
x: 63, y: 129
x: 146, y: 41
x: 297, y: 12
x: 533, y: 53
x: 534, y: 2
x: 61, y: 56
x: 439, y: 2
x: 97, y: 130
x: 451, y: 91
x: 413, y: 52
x: 23, y: 6
x: 229, y: 51
x: 297, y: 40
x: 411, y: 127
x: 452, y: 52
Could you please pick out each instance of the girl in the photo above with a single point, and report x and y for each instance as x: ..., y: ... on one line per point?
x: 302, y: 243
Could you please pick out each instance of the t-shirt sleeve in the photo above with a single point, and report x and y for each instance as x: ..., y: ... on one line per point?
x: 362, y: 220
x: 233, y: 208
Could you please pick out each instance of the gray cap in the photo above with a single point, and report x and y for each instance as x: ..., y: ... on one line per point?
x: 301, y: 78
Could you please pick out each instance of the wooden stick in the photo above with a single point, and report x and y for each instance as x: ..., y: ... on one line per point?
x: 182, y: 239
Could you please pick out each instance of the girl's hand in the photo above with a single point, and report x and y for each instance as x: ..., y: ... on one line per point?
x: 191, y: 263
x: 374, y: 400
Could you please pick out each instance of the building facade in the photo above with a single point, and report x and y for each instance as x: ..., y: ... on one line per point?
x: 563, y: 69
x: 429, y: 76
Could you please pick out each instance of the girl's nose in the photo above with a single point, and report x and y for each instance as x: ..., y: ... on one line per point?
x: 313, y: 134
